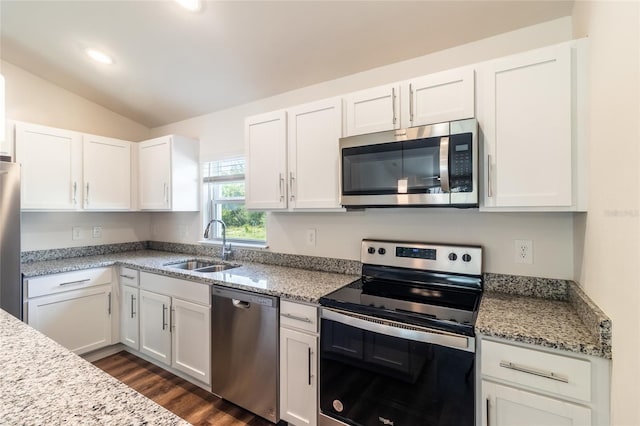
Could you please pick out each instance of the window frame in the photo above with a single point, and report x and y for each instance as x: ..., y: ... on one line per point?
x: 213, y: 204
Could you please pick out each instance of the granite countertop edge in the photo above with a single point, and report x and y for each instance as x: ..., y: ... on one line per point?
x: 155, y: 264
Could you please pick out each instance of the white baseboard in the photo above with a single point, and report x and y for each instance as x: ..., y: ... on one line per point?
x: 103, y: 352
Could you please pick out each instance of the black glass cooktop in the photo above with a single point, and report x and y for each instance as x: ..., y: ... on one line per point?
x: 435, y: 305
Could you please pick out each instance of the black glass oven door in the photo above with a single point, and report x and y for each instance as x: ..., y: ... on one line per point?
x: 369, y: 378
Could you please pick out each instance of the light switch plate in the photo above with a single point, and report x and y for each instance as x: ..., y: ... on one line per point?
x: 97, y: 232
x: 76, y: 233
x: 311, y: 237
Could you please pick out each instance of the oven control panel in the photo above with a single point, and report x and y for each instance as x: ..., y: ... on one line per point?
x: 426, y: 256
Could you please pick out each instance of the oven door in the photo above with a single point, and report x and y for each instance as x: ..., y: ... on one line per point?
x: 385, y: 373
x: 378, y: 170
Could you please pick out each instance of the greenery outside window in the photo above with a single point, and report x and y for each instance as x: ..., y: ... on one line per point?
x: 224, y: 192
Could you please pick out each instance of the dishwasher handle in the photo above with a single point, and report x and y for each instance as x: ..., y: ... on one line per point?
x: 240, y: 304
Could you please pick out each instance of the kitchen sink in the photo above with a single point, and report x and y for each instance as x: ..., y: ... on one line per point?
x: 201, y: 266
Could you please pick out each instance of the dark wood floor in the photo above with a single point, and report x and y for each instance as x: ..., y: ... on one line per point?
x: 186, y: 400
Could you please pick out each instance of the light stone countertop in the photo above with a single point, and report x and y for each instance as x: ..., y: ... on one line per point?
x: 285, y: 282
x: 42, y: 383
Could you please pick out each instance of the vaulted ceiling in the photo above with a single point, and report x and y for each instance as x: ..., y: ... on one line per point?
x: 171, y: 64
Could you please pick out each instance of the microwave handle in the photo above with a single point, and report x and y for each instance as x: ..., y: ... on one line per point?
x: 444, y: 164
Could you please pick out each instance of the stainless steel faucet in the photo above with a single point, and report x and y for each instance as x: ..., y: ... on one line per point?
x: 226, y: 250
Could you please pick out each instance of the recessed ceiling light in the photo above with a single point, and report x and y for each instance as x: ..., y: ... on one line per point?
x: 190, y: 5
x: 99, y: 56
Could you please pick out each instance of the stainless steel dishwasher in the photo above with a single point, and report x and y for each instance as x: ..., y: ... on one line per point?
x: 244, y: 355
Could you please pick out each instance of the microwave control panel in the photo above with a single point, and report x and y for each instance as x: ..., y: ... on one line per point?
x: 461, y: 163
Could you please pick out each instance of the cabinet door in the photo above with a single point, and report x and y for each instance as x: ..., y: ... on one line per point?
x: 298, y: 377
x: 80, y: 320
x: 154, y: 179
x: 526, y: 121
x: 507, y: 406
x: 106, y: 173
x: 192, y: 339
x: 266, y: 169
x: 129, y: 318
x: 441, y: 97
x: 155, y: 330
x: 372, y: 110
x: 51, y: 167
x: 314, y: 133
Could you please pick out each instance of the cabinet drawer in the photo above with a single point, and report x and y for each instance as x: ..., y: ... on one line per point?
x: 129, y: 276
x: 298, y: 315
x: 175, y: 287
x: 539, y: 370
x: 57, y: 283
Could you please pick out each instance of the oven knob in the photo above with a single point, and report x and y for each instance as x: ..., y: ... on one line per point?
x: 381, y: 251
x: 371, y: 250
x: 466, y: 257
x: 453, y: 256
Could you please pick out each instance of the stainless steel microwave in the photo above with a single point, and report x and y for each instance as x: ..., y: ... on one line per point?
x: 434, y: 165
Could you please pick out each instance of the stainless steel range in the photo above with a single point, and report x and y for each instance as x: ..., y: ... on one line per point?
x: 397, y: 346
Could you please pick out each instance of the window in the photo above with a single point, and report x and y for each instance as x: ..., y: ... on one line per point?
x: 224, y: 199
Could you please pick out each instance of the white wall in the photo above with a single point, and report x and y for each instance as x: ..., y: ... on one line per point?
x: 42, y: 231
x: 32, y: 99
x: 339, y: 234
x: 607, y: 239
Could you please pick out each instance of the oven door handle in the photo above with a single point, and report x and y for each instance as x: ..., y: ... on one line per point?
x: 400, y: 330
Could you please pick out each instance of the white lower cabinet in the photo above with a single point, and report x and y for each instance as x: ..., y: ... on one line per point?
x: 176, y: 331
x: 74, y: 308
x: 129, y: 316
x: 507, y: 406
x: 298, y: 364
x: 533, y: 386
x: 155, y: 331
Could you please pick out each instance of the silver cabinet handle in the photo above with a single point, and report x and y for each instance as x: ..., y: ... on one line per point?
x: 297, y: 318
x: 129, y: 277
x: 310, y: 375
x: 411, y: 103
x: 172, y: 319
x: 133, y: 300
x: 281, y: 186
x: 164, y: 316
x: 393, y: 105
x: 488, y: 406
x: 86, y: 200
x: 291, y: 180
x: 529, y: 370
x: 166, y: 194
x: 489, y: 183
x: 75, y: 193
x: 109, y: 310
x: 444, y: 163
x: 74, y: 282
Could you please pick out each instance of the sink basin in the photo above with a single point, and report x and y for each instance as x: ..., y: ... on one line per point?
x: 190, y: 265
x: 201, y: 266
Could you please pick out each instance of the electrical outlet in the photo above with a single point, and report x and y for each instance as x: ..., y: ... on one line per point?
x: 524, y: 251
x: 311, y: 237
x: 97, y: 232
x: 76, y: 233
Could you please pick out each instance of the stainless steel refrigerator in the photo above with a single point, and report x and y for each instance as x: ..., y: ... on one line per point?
x: 10, y: 277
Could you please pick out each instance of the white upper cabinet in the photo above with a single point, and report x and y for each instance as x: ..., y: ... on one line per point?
x: 266, y: 171
x: 530, y: 112
x: 440, y: 97
x: 168, y: 174
x: 293, y: 156
x: 65, y: 170
x: 372, y: 110
x: 51, y: 167
x: 314, y: 134
x: 106, y: 170
x: 434, y: 98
